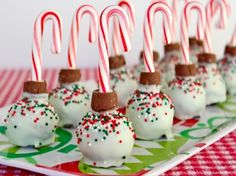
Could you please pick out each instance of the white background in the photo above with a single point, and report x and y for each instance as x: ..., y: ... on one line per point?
x: 16, y: 26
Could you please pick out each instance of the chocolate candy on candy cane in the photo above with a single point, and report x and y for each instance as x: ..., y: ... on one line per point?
x: 167, y: 64
x: 32, y: 121
x: 122, y: 80
x: 105, y: 136
x: 227, y: 68
x: 70, y: 99
x: 149, y: 109
x: 196, y: 47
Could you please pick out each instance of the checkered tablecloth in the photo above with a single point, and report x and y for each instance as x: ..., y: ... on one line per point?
x: 217, y: 159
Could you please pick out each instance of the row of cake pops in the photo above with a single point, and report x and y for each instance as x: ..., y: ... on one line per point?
x: 32, y: 120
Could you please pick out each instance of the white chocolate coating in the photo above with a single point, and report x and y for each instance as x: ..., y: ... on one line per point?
x: 227, y: 68
x: 71, y: 103
x: 32, y: 121
x: 212, y: 82
x: 188, y: 96
x: 124, y: 83
x: 105, y: 139
x: 167, y: 67
x: 151, y: 113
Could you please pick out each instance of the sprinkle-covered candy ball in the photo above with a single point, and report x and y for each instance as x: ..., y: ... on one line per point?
x: 32, y: 121
x: 196, y: 47
x: 211, y: 79
x: 150, y: 110
x: 186, y: 92
x: 71, y: 101
x: 167, y: 64
x: 141, y: 66
x: 105, y: 137
x: 122, y: 80
x: 227, y: 68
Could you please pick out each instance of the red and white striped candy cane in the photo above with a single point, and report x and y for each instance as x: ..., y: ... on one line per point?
x: 222, y: 23
x: 37, y: 40
x: 148, y: 31
x: 122, y: 16
x: 116, y: 34
x: 174, y: 9
x: 184, y: 26
x: 93, y: 31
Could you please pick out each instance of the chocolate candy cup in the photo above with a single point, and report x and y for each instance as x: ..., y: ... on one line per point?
x: 193, y: 41
x: 172, y: 47
x: 104, y: 101
x: 67, y: 76
x: 150, y: 78
x: 116, y: 61
x: 185, y: 70
x: 206, y: 58
x: 35, y: 87
x: 231, y: 50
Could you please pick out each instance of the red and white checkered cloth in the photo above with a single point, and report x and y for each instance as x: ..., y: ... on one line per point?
x: 217, y: 159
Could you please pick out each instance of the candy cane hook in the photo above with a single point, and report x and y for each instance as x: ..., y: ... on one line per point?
x: 148, y: 31
x: 222, y: 22
x: 122, y: 16
x: 37, y: 40
x: 184, y: 26
x: 93, y: 31
x: 116, y: 34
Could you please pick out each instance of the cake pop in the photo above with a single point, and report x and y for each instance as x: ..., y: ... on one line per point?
x: 71, y: 100
x: 208, y: 71
x: 150, y: 110
x: 122, y: 80
x: 186, y: 92
x: 105, y: 136
x: 32, y: 121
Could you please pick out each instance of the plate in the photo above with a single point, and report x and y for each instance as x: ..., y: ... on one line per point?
x: 148, y: 157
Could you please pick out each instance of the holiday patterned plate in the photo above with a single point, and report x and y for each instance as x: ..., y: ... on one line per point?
x: 148, y: 157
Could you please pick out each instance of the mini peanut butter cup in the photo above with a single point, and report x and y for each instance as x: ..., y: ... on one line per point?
x: 206, y: 58
x: 231, y: 50
x: 69, y: 76
x: 116, y: 61
x: 35, y: 87
x: 104, y: 101
x: 150, y: 78
x: 193, y: 41
x: 155, y: 56
x: 172, y: 47
x: 185, y: 70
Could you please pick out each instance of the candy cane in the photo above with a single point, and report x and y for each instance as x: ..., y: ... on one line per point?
x: 116, y: 34
x: 148, y: 31
x: 37, y: 41
x: 103, y: 70
x: 184, y: 26
x: 93, y: 31
x: 174, y: 9
x: 222, y: 23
